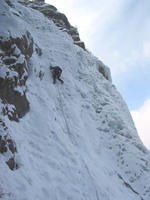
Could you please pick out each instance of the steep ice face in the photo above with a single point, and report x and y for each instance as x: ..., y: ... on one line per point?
x: 78, y: 140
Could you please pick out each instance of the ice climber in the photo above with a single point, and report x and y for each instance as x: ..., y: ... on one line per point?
x: 56, y: 73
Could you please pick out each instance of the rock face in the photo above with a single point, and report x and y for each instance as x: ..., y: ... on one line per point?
x: 58, y: 18
x: 14, y: 53
x: 7, y: 146
x: 62, y: 22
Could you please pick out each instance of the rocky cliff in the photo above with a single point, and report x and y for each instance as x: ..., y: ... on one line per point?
x: 70, y: 141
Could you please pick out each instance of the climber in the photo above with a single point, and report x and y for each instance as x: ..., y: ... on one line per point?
x: 56, y: 73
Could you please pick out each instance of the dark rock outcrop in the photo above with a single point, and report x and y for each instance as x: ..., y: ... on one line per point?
x: 14, y: 53
x: 7, y: 146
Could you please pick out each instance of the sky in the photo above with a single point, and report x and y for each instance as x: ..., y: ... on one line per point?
x: 118, y: 33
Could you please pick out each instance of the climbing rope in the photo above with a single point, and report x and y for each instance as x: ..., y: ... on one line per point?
x: 75, y: 143
x: 63, y: 113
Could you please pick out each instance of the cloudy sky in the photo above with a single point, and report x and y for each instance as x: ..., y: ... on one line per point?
x: 118, y: 33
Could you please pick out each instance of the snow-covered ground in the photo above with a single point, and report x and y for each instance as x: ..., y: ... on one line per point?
x: 78, y: 141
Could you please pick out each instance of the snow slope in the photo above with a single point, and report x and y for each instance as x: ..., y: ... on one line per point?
x: 78, y: 141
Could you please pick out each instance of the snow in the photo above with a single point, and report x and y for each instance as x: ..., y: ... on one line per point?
x: 78, y: 138
x: 10, y: 22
